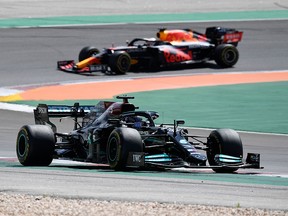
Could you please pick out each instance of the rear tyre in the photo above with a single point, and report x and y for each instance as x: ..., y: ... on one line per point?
x: 120, y: 142
x: 35, y: 145
x: 225, y: 142
x: 87, y: 52
x: 226, y: 55
x: 120, y: 62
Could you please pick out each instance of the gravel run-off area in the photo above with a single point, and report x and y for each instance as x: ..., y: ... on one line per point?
x: 30, y: 205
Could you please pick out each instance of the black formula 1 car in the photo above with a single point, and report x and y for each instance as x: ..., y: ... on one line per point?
x: 174, y: 47
x: 119, y: 135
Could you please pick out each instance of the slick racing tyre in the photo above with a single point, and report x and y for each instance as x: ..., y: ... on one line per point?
x: 120, y: 142
x: 226, y: 55
x: 224, y: 142
x: 35, y: 145
x: 87, y: 52
x: 120, y: 62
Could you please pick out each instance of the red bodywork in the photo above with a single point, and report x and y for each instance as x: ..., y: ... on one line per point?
x: 232, y: 37
x: 189, y: 35
x: 180, y: 35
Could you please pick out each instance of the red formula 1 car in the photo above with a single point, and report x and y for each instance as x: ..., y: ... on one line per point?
x: 173, y: 48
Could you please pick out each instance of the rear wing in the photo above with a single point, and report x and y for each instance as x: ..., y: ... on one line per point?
x: 219, y: 35
x: 43, y: 112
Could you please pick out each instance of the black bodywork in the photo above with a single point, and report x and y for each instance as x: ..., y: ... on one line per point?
x: 155, y: 54
x: 121, y: 136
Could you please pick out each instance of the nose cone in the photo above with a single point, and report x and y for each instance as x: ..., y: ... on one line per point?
x: 197, y: 159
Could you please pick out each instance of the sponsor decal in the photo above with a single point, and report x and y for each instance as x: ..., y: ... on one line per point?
x: 96, y: 68
x: 176, y: 56
x: 137, y: 158
x: 183, y: 141
x: 56, y: 108
x: 232, y: 37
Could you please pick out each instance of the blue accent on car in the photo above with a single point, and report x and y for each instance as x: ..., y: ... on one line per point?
x: 228, y: 159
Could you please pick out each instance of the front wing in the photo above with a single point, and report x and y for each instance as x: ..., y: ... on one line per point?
x: 70, y: 66
x: 138, y: 159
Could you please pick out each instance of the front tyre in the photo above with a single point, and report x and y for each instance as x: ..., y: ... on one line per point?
x: 226, y: 55
x: 225, y: 142
x: 87, y: 52
x: 120, y: 142
x: 120, y: 62
x: 35, y: 145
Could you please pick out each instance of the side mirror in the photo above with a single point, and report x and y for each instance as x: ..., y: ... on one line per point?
x: 114, y: 121
x: 176, y: 123
x: 180, y: 122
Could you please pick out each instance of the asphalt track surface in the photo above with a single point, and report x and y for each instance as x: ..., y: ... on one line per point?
x: 35, y: 9
x: 29, y: 59
x: 30, y: 55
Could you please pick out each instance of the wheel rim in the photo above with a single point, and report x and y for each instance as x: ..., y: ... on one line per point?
x: 21, y: 147
x: 230, y: 56
x: 214, y: 149
x: 113, y: 149
x: 124, y: 63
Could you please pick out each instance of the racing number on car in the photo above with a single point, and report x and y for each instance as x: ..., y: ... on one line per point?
x: 178, y: 56
x: 42, y: 109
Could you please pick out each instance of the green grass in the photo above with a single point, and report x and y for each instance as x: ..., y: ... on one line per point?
x: 261, y: 107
